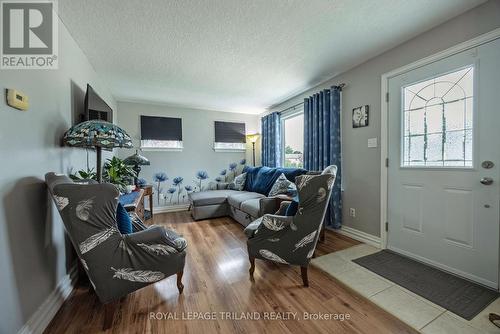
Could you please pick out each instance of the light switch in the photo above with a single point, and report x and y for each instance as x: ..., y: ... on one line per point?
x: 372, y: 142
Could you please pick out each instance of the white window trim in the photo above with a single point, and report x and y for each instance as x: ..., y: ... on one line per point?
x: 179, y: 148
x: 230, y: 149
x: 296, y: 111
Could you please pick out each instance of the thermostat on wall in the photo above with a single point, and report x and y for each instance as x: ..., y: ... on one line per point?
x: 17, y: 99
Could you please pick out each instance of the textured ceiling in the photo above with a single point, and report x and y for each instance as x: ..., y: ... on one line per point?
x: 239, y: 55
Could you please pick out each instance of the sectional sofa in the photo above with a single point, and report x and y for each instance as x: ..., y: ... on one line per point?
x: 247, y: 205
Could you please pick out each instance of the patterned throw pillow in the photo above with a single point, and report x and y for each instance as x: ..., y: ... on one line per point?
x: 238, y: 182
x: 282, y: 186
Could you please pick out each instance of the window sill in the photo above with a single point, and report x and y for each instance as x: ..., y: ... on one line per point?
x: 229, y: 150
x: 162, y: 149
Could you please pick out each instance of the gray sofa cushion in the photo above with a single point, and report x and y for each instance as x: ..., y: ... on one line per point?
x: 239, y: 197
x: 251, y: 206
x: 211, y: 197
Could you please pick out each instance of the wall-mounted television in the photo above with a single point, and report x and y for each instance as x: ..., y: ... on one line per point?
x: 96, y: 108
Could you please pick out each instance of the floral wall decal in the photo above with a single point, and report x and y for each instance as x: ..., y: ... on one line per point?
x: 180, y: 190
x: 223, y: 175
x: 232, y: 168
x: 201, y: 175
x: 141, y: 182
x: 171, y: 191
x: 159, y: 178
x: 177, y: 181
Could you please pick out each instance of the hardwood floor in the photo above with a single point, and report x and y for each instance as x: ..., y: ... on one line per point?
x: 216, y: 280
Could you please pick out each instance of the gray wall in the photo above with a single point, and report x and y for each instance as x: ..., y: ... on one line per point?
x: 198, y: 138
x: 32, y: 243
x: 362, y: 164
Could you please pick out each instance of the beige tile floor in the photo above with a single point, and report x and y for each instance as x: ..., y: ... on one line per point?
x: 416, y: 311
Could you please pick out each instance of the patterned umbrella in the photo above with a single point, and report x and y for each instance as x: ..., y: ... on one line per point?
x: 97, y: 134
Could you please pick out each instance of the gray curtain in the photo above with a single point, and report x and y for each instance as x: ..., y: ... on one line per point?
x: 271, y: 140
x: 322, y: 143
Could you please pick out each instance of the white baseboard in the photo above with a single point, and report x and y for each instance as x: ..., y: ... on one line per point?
x: 171, y: 208
x: 360, y: 236
x: 42, y: 317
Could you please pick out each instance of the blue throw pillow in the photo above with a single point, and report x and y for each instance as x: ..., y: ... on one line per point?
x: 123, y: 220
x: 292, y: 208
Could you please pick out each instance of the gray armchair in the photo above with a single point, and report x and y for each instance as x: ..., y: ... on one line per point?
x: 116, y: 264
x: 292, y: 240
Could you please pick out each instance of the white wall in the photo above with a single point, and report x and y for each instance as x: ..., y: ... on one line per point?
x: 361, y: 173
x: 198, y: 137
x: 32, y: 242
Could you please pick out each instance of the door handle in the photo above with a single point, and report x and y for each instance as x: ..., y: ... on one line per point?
x: 486, y: 181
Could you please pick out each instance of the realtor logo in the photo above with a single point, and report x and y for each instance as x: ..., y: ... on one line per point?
x: 29, y: 35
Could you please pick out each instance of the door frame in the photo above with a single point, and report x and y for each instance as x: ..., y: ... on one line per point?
x: 384, y: 108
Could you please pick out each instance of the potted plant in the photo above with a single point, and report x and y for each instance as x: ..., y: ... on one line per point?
x: 118, y: 173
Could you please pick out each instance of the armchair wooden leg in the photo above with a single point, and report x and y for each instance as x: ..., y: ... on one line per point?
x: 252, y: 266
x: 180, y: 286
x: 109, y: 314
x: 305, y: 280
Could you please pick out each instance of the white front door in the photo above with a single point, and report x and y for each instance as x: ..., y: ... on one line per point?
x: 444, y: 159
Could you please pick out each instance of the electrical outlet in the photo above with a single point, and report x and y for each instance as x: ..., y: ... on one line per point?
x: 352, y: 212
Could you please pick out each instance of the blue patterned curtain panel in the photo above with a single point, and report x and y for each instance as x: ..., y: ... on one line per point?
x: 271, y: 140
x: 322, y: 143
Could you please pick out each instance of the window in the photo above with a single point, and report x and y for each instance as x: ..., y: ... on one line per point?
x: 161, y: 133
x: 292, y: 132
x: 437, y: 121
x: 229, y: 136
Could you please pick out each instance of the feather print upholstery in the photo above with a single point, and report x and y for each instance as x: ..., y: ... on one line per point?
x: 273, y: 224
x: 83, y: 209
x: 123, y: 245
x: 271, y: 256
x: 61, y: 202
x: 305, y: 240
x: 84, y: 264
x: 142, y: 276
x: 330, y: 182
x: 96, y: 239
x: 321, y: 195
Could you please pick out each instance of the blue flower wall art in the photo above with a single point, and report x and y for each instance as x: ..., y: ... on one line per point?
x: 171, y: 191
x: 201, y: 175
x: 159, y: 178
x: 177, y: 181
x: 141, y: 182
x: 178, y: 185
x: 232, y: 168
x: 188, y: 190
x: 223, y: 174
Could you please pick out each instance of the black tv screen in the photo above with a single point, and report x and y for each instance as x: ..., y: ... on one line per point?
x: 96, y: 108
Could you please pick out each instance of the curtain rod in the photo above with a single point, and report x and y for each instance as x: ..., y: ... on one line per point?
x: 340, y: 85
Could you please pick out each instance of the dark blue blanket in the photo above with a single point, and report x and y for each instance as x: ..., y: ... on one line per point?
x: 261, y: 179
